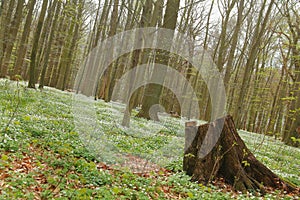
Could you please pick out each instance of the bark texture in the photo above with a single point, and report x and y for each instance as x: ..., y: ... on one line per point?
x: 229, y: 159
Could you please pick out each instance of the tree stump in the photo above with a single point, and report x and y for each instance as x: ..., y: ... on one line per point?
x: 229, y: 159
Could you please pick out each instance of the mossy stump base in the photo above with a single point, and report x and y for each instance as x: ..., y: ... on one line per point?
x: 228, y: 159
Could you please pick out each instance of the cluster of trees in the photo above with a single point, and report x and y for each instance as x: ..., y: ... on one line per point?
x: 254, y: 44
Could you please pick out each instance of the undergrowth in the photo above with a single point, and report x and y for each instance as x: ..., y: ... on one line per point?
x: 43, y: 157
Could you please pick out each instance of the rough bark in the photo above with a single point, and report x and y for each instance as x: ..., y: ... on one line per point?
x: 229, y: 159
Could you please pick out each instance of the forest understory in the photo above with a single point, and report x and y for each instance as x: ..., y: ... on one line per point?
x: 43, y: 157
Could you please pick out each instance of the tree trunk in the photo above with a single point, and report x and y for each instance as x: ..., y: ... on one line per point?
x: 113, y: 30
x: 3, y: 25
x: 229, y: 159
x: 259, y: 32
x: 291, y: 135
x: 59, y: 43
x: 49, y: 43
x: 234, y: 43
x: 13, y: 32
x: 136, y: 60
x: 71, y: 48
x: 31, y: 83
x: 24, y: 40
x: 153, y: 91
x: 74, y: 44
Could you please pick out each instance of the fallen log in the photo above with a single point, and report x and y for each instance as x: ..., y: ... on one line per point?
x: 228, y: 159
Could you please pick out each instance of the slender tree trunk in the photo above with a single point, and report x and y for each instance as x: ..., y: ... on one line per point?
x: 234, y: 43
x: 13, y: 31
x: 223, y: 39
x: 112, y: 32
x: 3, y: 24
x: 32, y: 79
x: 56, y: 4
x: 59, y: 43
x: 272, y: 119
x: 136, y: 59
x: 43, y: 39
x: 259, y: 32
x: 101, y: 85
x: 120, y: 63
x: 24, y: 39
x: 153, y: 91
x: 74, y: 40
x: 292, y: 132
x: 145, y: 54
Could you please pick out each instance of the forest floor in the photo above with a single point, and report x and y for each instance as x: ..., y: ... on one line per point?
x: 44, y: 155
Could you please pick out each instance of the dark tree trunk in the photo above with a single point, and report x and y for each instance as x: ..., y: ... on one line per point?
x: 153, y: 91
x: 35, y: 45
x: 49, y: 42
x: 229, y: 158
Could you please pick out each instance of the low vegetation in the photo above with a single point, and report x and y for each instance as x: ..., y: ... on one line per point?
x: 42, y: 156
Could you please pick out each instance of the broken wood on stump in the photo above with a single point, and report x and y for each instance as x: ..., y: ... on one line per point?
x: 229, y: 158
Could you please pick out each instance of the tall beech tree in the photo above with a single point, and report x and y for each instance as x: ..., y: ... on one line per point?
x: 22, y: 50
x: 57, y: 5
x: 136, y: 59
x: 259, y: 31
x: 153, y: 91
x: 37, y: 34
x: 292, y: 16
x: 68, y: 51
x: 13, y: 31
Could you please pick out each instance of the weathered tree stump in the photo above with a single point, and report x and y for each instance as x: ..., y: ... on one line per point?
x: 229, y: 159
